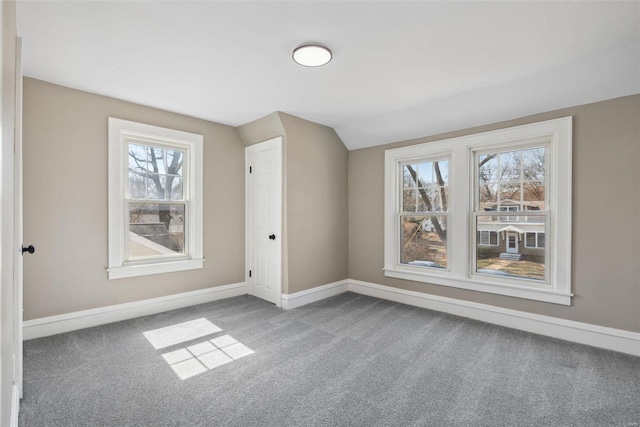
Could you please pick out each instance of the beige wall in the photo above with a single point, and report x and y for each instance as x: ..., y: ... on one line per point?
x: 606, y: 217
x: 317, y: 167
x: 315, y: 199
x: 261, y: 130
x: 65, y: 202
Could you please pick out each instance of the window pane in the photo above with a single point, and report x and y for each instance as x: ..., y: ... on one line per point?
x: 509, y: 193
x: 487, y: 168
x: 493, y: 238
x: 533, y: 193
x: 409, y: 201
x: 429, y: 199
x: 533, y: 162
x: 156, y: 160
x: 407, y: 176
x: 425, y: 174
x: 155, y: 230
x: 541, y: 240
x: 488, y: 197
x: 424, y: 241
x: 516, y: 254
x: 137, y: 158
x: 441, y: 169
x: 174, y: 186
x: 137, y: 185
x: 510, y: 166
x: 156, y: 187
x: 174, y: 162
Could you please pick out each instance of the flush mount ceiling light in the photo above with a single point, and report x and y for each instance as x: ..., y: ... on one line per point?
x: 312, y: 55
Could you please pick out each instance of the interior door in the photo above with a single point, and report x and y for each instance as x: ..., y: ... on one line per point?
x: 264, y: 219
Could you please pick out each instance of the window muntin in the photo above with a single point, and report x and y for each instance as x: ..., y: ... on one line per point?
x: 425, y: 189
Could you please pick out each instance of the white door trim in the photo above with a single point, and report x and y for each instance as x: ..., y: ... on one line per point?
x: 270, y: 144
x: 18, y: 234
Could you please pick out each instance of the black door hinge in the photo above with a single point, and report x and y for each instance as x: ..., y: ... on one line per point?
x: 250, y: 169
x: 249, y: 273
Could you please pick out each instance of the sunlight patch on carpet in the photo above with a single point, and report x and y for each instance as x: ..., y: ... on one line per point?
x: 201, y: 357
x: 182, y: 332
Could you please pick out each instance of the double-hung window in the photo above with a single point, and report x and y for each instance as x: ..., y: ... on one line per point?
x: 155, y: 199
x: 489, y: 212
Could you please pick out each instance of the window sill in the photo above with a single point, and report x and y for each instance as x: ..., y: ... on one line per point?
x: 518, y: 291
x: 154, y: 268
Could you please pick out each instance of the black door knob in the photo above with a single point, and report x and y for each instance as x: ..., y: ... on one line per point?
x: 31, y: 249
x: 272, y: 237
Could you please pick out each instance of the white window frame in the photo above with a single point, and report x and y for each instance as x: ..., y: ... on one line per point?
x: 557, y: 137
x: 121, y: 133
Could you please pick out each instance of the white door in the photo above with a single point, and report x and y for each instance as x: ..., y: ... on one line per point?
x: 512, y: 242
x: 263, y: 164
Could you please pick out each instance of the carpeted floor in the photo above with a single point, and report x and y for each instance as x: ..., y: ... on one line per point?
x: 348, y: 360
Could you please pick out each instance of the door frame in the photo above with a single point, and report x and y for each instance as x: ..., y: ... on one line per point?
x: 18, y: 225
x: 269, y: 144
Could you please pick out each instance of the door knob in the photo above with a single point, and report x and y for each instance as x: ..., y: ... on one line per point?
x: 31, y: 249
x: 272, y: 237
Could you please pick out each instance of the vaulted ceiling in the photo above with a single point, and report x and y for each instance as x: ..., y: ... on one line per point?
x: 400, y: 69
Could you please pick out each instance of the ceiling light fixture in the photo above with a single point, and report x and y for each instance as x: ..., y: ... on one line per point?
x: 312, y: 55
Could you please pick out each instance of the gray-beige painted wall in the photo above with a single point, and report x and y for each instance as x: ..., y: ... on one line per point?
x: 65, y: 203
x: 606, y: 217
x: 315, y: 199
x: 317, y: 203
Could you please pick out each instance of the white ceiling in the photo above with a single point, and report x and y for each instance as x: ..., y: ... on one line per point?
x: 400, y: 69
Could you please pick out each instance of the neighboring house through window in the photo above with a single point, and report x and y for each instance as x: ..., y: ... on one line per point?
x: 155, y: 199
x: 445, y: 205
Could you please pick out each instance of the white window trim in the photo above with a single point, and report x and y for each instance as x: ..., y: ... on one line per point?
x: 119, y: 133
x: 461, y: 239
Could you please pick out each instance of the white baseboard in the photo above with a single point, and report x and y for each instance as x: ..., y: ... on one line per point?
x: 52, y: 325
x: 15, y: 406
x: 301, y: 298
x: 583, y: 333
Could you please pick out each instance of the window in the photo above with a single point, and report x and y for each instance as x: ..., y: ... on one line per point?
x: 155, y: 200
x: 488, y: 238
x: 445, y: 205
x: 534, y: 240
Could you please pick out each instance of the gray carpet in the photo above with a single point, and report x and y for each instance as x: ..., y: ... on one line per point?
x: 348, y: 360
